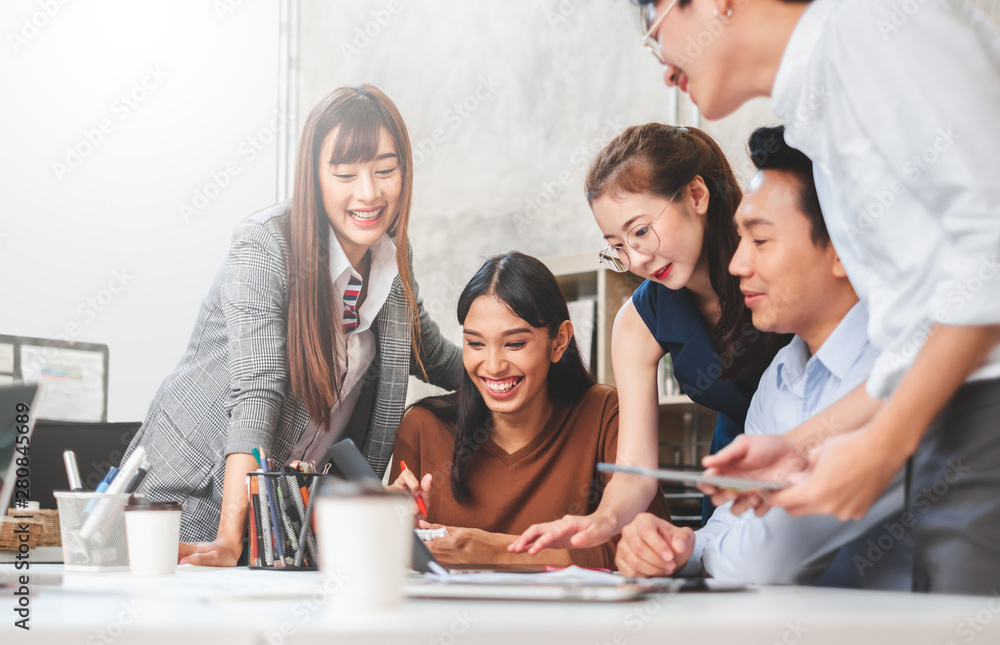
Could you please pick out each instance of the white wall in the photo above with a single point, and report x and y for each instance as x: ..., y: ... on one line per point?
x: 99, y: 250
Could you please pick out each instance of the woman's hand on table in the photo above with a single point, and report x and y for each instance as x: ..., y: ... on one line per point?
x: 219, y: 553
x: 465, y: 545
x: 568, y: 532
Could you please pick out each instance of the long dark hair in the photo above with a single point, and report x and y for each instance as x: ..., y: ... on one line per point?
x: 661, y: 160
x: 314, y: 361
x: 529, y: 289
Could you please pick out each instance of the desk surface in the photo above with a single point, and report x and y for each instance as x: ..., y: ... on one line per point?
x: 254, y: 607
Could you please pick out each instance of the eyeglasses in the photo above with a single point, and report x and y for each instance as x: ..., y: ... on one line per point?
x: 653, y: 44
x: 641, y: 238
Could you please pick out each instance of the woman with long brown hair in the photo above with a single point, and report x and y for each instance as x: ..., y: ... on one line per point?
x: 664, y: 197
x: 308, y: 334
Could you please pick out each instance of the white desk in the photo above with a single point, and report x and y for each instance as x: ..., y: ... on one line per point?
x: 217, y: 606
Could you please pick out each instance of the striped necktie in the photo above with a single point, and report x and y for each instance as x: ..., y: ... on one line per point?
x: 350, y: 303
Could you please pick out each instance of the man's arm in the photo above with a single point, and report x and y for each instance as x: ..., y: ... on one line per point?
x: 850, y: 473
x: 781, y: 457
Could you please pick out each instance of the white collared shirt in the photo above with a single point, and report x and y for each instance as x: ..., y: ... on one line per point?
x: 359, y: 345
x: 898, y: 106
x: 813, y: 549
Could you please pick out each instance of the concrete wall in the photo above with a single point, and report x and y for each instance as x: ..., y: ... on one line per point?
x: 506, y: 104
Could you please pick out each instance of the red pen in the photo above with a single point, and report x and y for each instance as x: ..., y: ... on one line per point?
x: 420, y: 500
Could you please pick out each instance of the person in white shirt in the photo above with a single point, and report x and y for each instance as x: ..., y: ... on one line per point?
x: 793, y: 282
x: 898, y: 107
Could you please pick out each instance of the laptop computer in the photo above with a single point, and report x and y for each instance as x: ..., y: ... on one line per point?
x: 98, y: 447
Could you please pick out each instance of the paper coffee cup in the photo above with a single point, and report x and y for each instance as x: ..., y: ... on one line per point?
x: 365, y: 539
x: 153, y: 530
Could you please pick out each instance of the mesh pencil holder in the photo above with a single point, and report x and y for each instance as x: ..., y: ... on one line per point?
x: 92, y: 526
x: 279, y: 520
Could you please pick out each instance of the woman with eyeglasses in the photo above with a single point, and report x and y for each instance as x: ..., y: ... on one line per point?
x: 897, y: 105
x: 308, y: 334
x: 664, y: 197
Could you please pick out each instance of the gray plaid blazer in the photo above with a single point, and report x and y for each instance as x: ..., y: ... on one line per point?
x: 230, y: 392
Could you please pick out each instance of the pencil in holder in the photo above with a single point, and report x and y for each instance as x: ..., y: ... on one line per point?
x: 280, y: 520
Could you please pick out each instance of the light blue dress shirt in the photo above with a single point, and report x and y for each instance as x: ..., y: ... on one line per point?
x: 814, y: 549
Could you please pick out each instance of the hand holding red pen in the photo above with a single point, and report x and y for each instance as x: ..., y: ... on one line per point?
x: 407, y: 482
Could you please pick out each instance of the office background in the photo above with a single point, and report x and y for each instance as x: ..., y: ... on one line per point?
x: 137, y: 135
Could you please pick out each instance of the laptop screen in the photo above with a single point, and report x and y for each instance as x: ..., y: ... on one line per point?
x: 17, y: 419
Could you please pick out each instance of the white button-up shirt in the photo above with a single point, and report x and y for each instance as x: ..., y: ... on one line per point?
x: 898, y: 106
x: 813, y: 549
x: 359, y: 345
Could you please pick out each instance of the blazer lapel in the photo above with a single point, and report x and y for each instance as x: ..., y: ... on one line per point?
x: 388, y: 383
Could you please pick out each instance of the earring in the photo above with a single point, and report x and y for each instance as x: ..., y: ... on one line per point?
x: 723, y: 17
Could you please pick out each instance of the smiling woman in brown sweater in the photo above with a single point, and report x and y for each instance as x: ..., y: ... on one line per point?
x: 519, y: 442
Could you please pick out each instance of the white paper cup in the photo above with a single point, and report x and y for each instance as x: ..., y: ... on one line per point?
x: 365, y: 547
x: 153, y: 530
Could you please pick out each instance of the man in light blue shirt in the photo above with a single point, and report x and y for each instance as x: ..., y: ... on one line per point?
x: 793, y: 281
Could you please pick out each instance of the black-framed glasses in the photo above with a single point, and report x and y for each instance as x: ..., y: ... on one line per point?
x: 642, y: 238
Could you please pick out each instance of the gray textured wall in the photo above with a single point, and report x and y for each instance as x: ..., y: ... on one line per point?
x: 506, y: 103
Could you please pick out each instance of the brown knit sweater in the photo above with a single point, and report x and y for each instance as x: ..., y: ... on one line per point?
x: 553, y: 475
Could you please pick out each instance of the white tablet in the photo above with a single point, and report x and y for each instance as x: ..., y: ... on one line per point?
x: 730, y: 483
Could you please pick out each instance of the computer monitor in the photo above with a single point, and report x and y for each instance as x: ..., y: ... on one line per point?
x: 74, y: 375
x: 98, y: 447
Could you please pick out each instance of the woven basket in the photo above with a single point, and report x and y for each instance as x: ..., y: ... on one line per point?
x: 11, y: 541
x: 49, y: 518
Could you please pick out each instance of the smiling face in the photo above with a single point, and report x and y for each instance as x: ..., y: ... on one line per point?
x: 508, y: 359
x: 705, y: 55
x: 679, y: 226
x: 361, y: 199
x: 788, y: 282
